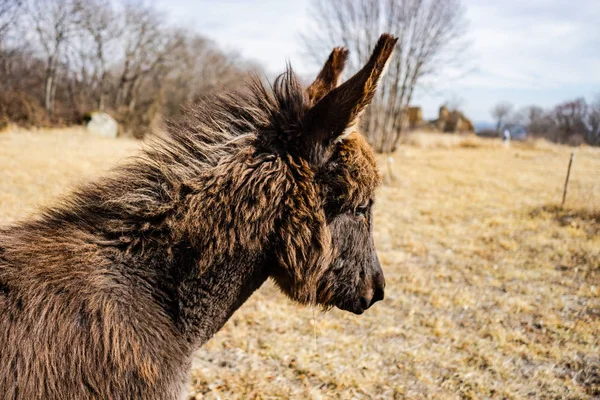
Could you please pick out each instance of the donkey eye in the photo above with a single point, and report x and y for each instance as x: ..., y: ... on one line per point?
x: 361, y: 211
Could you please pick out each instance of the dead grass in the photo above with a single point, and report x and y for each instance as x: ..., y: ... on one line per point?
x: 492, y: 289
x: 36, y: 166
x: 433, y: 140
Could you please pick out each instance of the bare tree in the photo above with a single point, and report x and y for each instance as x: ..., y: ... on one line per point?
x: 570, y: 121
x: 593, y: 122
x: 9, y: 14
x: 198, y: 68
x: 533, y: 114
x: 147, y: 47
x: 9, y: 10
x: 53, y: 23
x: 100, y: 22
x: 537, y: 120
x: 500, y: 112
x: 430, y: 37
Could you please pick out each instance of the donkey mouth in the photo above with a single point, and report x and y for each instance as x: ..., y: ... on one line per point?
x: 362, y: 304
x: 354, y: 307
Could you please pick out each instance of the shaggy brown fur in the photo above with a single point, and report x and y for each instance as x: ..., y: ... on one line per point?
x: 108, y: 295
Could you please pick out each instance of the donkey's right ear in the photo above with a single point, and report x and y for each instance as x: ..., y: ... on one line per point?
x: 330, y: 75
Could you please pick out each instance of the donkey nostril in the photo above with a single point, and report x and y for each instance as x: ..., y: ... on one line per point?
x: 379, y: 294
x: 364, y: 302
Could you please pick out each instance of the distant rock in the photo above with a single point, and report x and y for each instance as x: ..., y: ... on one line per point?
x: 453, y: 121
x: 101, y: 124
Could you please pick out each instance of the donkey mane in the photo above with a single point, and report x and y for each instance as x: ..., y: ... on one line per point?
x: 211, y: 132
x: 139, y: 196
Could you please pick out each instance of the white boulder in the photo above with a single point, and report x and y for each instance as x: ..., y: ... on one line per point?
x: 102, y: 124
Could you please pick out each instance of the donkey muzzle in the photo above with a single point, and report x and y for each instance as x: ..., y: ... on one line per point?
x: 372, y: 292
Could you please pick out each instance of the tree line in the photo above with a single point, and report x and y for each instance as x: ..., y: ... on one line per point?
x: 572, y: 122
x: 60, y: 59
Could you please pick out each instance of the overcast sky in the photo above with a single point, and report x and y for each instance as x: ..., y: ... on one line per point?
x: 526, y: 52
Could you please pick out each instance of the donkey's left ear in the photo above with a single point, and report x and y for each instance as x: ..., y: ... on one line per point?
x: 329, y: 77
x: 337, y: 112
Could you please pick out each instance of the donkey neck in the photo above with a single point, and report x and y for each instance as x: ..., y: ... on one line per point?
x: 206, y: 300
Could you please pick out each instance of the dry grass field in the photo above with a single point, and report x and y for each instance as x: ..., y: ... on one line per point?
x: 493, y: 290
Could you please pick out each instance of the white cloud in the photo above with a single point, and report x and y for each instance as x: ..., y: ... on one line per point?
x: 537, y: 45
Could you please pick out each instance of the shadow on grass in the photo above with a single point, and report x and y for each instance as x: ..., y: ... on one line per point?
x: 577, y: 229
x: 568, y: 216
x: 583, y: 370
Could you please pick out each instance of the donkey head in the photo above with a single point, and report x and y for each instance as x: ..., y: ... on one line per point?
x: 340, y: 265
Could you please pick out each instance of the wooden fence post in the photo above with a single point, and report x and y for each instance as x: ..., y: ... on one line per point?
x: 567, y: 180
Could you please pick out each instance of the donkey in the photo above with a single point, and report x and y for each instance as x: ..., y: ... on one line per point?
x: 107, y: 295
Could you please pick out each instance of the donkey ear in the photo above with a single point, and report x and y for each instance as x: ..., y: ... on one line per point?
x: 338, y: 111
x: 329, y: 77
